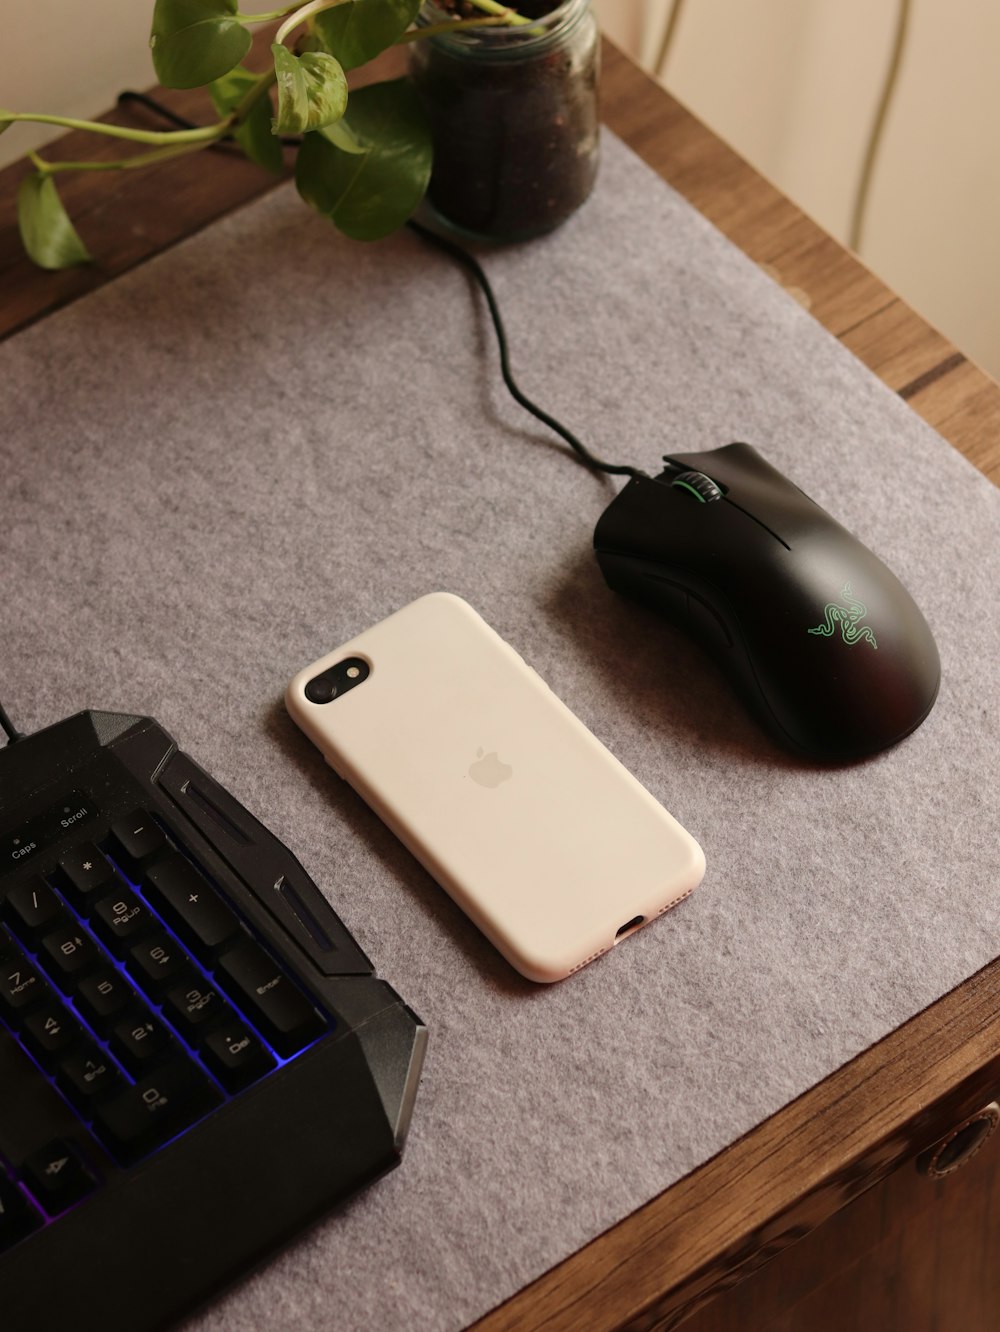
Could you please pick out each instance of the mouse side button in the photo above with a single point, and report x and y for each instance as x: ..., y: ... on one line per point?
x: 643, y: 582
x: 708, y: 624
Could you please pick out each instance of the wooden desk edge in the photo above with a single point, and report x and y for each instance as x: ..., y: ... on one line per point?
x: 795, y: 1169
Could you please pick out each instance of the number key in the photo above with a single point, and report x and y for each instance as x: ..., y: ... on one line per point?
x: 193, y: 1004
x: 163, y: 1103
x: 103, y: 996
x: 120, y: 919
x: 49, y: 1032
x: 68, y: 953
x: 139, y: 1040
x: 22, y: 986
x: 87, y: 1074
x: 156, y: 962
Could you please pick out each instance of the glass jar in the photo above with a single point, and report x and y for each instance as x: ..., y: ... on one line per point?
x: 514, y: 118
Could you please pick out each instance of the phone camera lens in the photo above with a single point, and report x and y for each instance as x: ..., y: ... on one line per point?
x: 321, y: 690
x: 337, y: 680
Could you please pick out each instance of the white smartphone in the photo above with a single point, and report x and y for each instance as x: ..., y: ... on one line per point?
x: 549, y: 845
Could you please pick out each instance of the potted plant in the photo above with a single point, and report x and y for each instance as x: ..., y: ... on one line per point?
x: 363, y: 158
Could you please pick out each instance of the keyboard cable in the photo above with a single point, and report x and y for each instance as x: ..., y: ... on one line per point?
x: 13, y: 734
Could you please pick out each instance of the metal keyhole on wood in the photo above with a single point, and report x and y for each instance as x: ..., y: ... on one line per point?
x: 961, y: 1144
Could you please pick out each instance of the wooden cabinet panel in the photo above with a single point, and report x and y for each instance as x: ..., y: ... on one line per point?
x: 912, y: 1254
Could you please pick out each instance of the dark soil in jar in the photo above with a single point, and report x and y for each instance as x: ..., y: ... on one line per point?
x: 515, y: 134
x: 527, y: 8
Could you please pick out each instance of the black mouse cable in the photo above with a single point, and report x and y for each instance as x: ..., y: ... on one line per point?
x: 470, y: 262
x: 13, y: 734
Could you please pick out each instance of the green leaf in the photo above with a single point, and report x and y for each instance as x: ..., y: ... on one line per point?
x: 371, y: 187
x: 312, y: 90
x: 196, y: 41
x: 46, y: 231
x: 254, y: 135
x: 343, y: 137
x: 357, y: 30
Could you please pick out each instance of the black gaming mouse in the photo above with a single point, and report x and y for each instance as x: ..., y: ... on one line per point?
x: 821, y: 639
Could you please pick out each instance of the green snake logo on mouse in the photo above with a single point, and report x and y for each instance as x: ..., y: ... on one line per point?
x: 848, y: 617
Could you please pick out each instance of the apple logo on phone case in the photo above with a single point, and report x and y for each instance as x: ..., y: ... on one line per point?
x: 488, y: 770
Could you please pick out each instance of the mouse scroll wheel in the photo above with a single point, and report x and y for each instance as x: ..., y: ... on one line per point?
x: 702, y: 487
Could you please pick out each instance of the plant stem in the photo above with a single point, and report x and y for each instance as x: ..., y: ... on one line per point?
x: 435, y: 29
x: 240, y: 111
x: 169, y: 143
x: 266, y: 18
x: 172, y: 144
x: 203, y: 134
x: 122, y: 164
x: 300, y: 15
x: 501, y: 11
x: 499, y: 14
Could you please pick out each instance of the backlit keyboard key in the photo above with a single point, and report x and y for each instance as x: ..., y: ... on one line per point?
x: 84, y: 869
x: 22, y: 986
x: 57, y: 1176
x: 49, y: 1032
x: 32, y: 909
x: 137, y: 837
x: 87, y: 1074
x: 139, y: 1041
x: 271, y: 1001
x: 193, y: 1004
x: 189, y: 903
x: 235, y: 1055
x: 156, y: 962
x: 120, y: 918
x: 103, y: 996
x: 160, y: 1105
x: 68, y: 953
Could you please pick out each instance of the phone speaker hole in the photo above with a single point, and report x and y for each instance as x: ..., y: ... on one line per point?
x: 629, y: 926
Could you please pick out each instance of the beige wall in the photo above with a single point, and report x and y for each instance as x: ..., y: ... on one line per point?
x: 792, y: 84
x: 68, y: 58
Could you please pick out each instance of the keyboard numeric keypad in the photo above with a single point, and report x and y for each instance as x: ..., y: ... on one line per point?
x: 137, y: 989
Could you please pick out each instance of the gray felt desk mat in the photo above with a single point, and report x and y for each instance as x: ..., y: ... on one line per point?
x: 267, y: 439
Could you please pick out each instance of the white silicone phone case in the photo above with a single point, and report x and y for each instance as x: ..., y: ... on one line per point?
x: 535, y: 829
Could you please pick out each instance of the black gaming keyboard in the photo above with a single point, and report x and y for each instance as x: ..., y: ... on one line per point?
x: 196, y: 1060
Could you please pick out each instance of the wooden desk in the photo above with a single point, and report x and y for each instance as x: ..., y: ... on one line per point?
x: 799, y: 1226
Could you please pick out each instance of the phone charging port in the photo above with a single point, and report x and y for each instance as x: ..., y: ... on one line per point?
x: 629, y: 926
